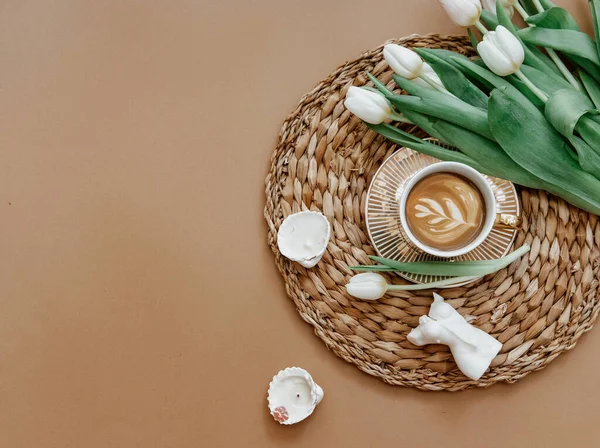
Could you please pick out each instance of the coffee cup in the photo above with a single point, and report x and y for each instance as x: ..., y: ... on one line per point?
x: 448, y: 209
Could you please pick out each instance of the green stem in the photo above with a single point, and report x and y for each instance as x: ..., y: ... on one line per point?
x: 432, y: 83
x: 482, y: 29
x: 438, y: 284
x: 541, y: 95
x: 538, y: 5
x: 555, y: 58
x: 521, y: 11
x: 563, y: 68
x: 371, y: 89
x: 399, y: 117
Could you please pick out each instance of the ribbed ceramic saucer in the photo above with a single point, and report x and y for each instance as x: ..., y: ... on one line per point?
x: 383, y: 219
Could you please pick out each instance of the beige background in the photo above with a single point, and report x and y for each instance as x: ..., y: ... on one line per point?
x: 140, y: 305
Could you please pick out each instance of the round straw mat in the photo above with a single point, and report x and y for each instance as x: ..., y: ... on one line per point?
x: 538, y: 307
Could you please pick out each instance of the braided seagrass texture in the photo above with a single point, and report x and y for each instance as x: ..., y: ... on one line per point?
x: 538, y: 307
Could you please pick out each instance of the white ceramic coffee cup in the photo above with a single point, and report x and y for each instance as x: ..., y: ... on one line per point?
x: 482, y: 185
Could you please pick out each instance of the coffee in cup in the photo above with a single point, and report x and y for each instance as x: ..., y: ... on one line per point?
x: 448, y: 209
x: 445, y: 210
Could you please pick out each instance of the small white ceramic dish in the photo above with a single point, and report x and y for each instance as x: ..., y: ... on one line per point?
x: 293, y: 395
x: 303, y: 237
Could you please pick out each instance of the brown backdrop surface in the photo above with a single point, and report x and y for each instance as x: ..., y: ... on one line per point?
x: 140, y: 303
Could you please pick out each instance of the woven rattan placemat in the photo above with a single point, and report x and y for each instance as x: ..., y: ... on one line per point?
x: 538, y: 307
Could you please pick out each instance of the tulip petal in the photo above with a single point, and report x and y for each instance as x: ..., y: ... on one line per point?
x: 353, y: 91
x: 367, y: 111
x: 494, y: 58
x: 403, y: 61
x: 462, y: 12
x: 510, y: 45
x: 490, y: 6
x: 366, y: 105
x: 367, y: 286
x: 379, y: 101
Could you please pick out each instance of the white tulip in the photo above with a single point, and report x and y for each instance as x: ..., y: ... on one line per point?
x: 501, y: 51
x: 369, y: 106
x: 367, y: 286
x: 431, y: 74
x: 508, y: 5
x: 464, y: 13
x: 403, y: 61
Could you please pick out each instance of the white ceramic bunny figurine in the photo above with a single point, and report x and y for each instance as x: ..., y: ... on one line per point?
x: 473, y: 349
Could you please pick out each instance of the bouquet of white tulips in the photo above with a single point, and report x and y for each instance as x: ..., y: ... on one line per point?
x: 526, y: 110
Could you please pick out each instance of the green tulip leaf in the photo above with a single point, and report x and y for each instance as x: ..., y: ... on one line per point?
x: 528, y: 139
x: 570, y: 42
x: 490, y: 20
x: 586, y: 65
x: 564, y: 109
x: 595, y: 10
x: 529, y: 6
x: 577, y: 46
x: 558, y: 18
x: 427, y: 124
x: 554, y: 18
x: 446, y: 55
x: 569, y: 111
x: 547, y: 4
x: 591, y: 86
x: 455, y: 81
x: 504, y: 19
x: 441, y: 105
x: 453, y: 268
x: 472, y: 38
x: 489, y: 79
x: 490, y: 157
x: 380, y: 86
x: 589, y: 160
x: 588, y: 127
x: 526, y: 91
x: 487, y: 153
x: 410, y: 141
x: 547, y: 82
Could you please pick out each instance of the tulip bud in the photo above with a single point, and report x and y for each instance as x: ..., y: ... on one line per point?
x: 463, y: 13
x: 490, y: 6
x: 501, y: 51
x: 369, y: 106
x: 403, y: 61
x: 367, y: 286
x: 431, y: 74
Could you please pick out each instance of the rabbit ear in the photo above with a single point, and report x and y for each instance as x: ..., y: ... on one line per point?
x: 440, y: 309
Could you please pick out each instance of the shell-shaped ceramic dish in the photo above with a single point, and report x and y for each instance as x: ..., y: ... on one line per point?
x: 293, y: 395
x: 383, y: 215
x: 301, y: 222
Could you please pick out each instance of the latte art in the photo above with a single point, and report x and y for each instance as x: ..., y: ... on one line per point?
x: 445, y: 211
